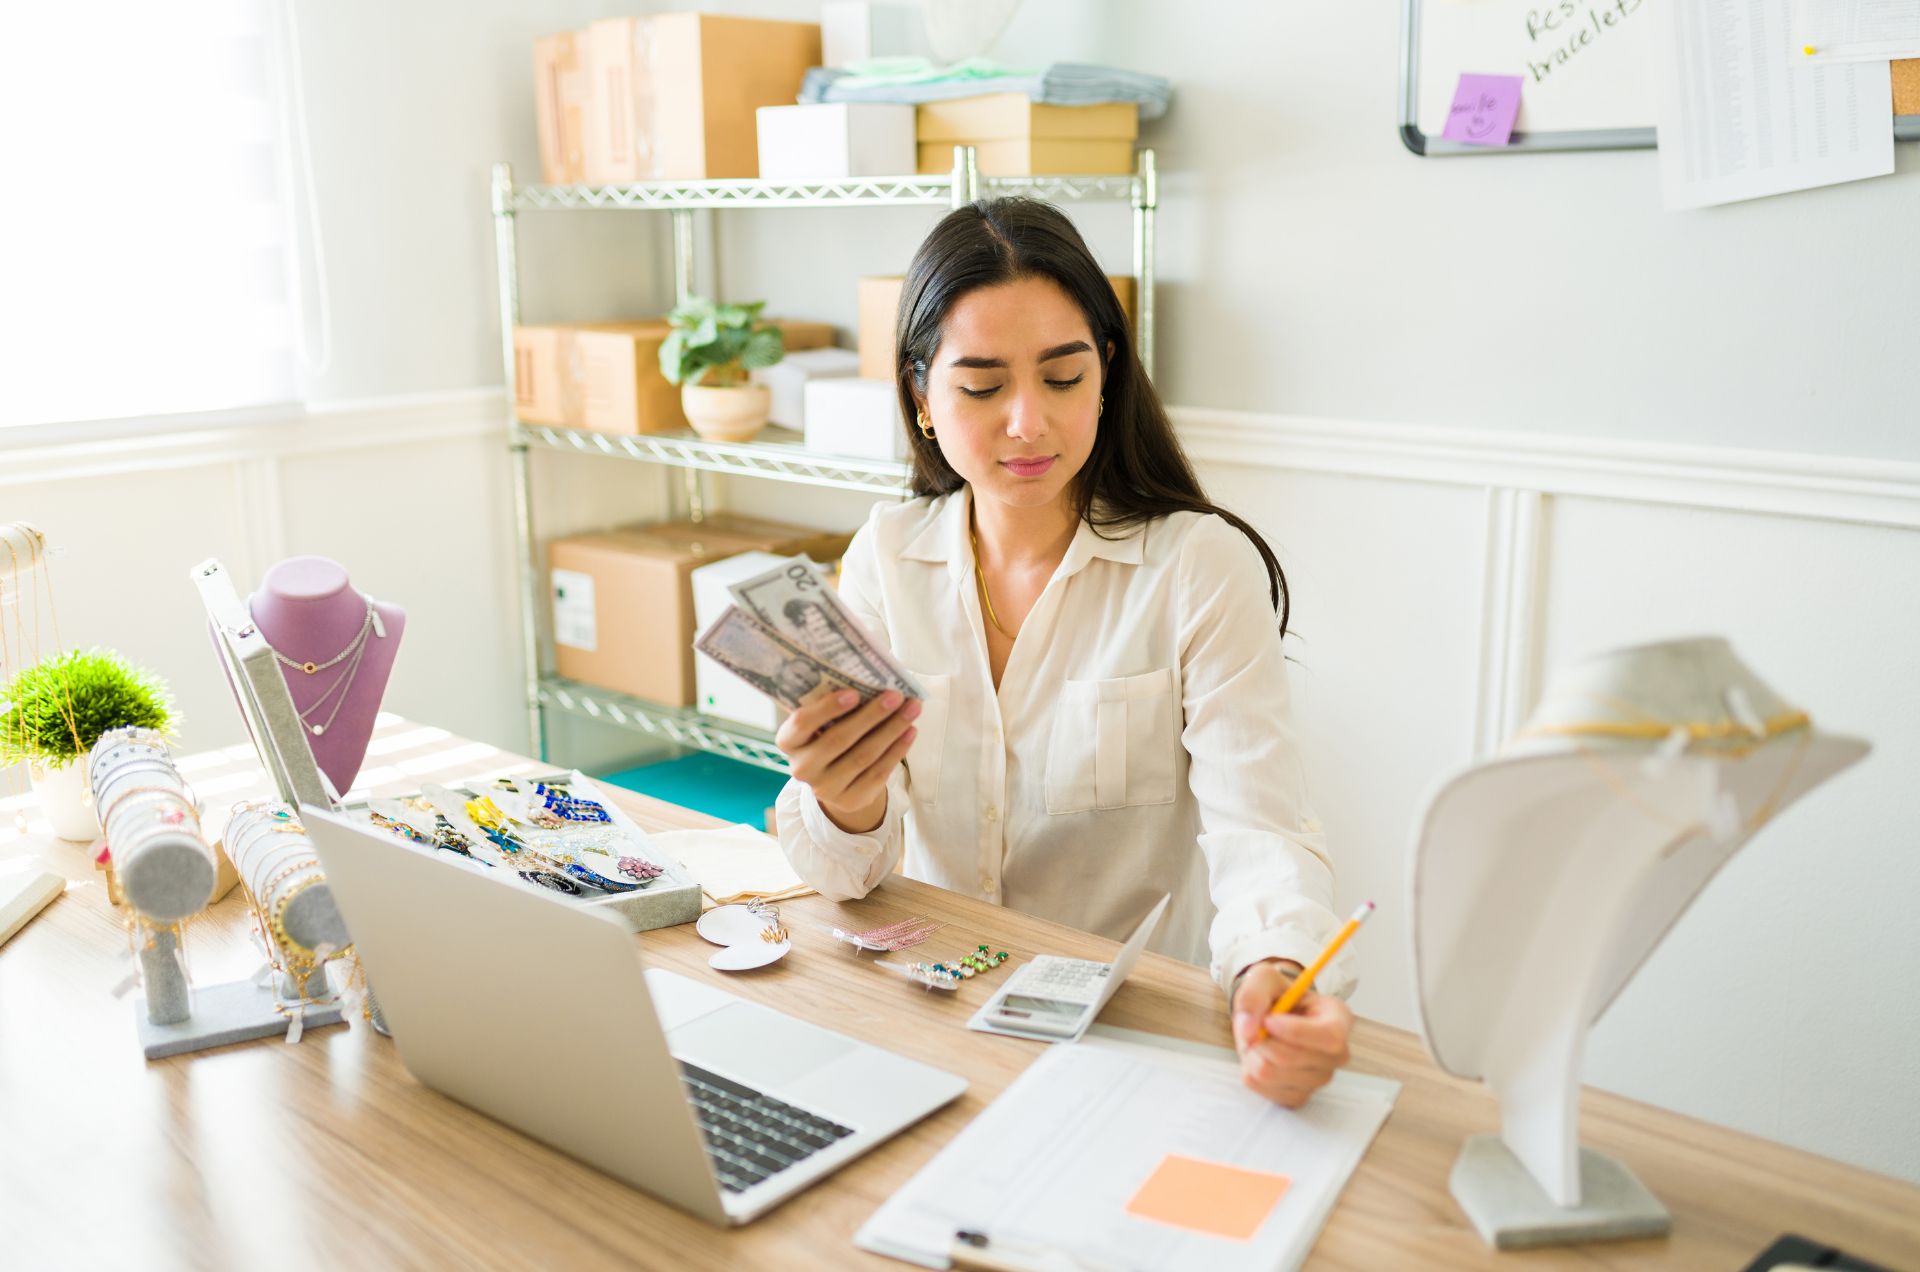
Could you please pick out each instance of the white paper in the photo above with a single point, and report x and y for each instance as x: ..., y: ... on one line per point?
x: 1742, y: 115
x: 731, y: 863
x: 1052, y: 1163
x: 1856, y: 30
x: 573, y: 624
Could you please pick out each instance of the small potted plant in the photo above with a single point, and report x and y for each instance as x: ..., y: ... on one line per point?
x: 709, y: 353
x: 52, y: 713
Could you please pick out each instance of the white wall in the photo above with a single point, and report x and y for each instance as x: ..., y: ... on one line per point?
x: 1366, y: 307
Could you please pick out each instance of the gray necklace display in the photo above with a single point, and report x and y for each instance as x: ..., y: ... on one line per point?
x: 336, y: 648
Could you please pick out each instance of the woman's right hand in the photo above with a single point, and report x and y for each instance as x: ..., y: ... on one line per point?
x: 846, y: 755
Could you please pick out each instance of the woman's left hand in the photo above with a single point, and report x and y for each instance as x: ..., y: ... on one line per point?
x: 1302, y: 1050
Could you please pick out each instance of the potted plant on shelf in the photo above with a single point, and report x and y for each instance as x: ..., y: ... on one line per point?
x: 51, y: 714
x: 709, y: 353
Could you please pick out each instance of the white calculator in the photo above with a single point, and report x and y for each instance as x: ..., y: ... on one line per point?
x: 1054, y: 999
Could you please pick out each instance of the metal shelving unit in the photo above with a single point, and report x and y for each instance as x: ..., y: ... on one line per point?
x: 777, y: 461
x: 780, y: 461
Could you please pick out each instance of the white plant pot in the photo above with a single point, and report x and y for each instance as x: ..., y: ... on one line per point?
x: 66, y: 798
x: 730, y: 414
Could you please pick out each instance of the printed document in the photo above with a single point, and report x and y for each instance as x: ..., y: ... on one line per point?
x: 1856, y: 30
x: 1742, y: 114
x: 1073, y: 1156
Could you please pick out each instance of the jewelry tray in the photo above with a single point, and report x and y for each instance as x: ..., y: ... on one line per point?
x: 671, y: 899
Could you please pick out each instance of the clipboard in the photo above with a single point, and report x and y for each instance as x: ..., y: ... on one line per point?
x: 1612, y: 106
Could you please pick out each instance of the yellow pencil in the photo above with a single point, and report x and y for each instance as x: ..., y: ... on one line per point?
x: 1298, y: 990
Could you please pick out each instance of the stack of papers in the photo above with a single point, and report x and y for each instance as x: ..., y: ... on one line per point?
x: 1123, y: 1151
x: 733, y: 865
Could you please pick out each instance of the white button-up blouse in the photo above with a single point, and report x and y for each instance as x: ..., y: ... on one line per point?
x: 1139, y: 743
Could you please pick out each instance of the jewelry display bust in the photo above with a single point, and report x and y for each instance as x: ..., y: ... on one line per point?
x: 336, y: 648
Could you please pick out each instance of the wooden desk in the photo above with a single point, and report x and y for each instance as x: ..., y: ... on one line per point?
x: 328, y: 1154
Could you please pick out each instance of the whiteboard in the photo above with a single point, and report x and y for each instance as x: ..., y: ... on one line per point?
x: 1585, y: 68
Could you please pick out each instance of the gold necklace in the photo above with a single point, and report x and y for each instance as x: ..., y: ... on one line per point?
x: 980, y: 576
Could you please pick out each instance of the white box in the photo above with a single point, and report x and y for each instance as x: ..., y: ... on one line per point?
x: 836, y: 139
x: 717, y: 691
x: 856, y: 417
x: 788, y: 380
x: 855, y: 30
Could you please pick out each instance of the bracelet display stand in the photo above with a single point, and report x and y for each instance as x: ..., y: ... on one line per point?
x: 166, y: 872
x: 272, y: 721
x: 1542, y: 880
x: 298, y: 922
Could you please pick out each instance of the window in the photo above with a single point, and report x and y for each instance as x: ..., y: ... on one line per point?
x: 146, y: 263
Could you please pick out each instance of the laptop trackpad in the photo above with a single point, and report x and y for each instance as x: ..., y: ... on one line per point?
x: 759, y: 1047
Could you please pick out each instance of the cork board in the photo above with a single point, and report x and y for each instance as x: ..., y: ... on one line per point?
x: 1906, y: 87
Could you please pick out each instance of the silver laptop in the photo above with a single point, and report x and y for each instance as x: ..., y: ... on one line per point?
x: 537, y: 1012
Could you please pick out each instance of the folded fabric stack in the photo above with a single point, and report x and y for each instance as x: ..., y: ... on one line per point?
x: 915, y: 80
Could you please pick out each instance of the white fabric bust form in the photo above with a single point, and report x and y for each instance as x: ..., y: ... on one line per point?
x: 1544, y: 877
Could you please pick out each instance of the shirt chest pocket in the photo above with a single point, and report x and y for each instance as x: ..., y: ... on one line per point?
x: 926, y: 755
x: 1112, y: 744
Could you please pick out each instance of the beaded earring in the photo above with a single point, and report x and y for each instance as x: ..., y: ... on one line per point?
x: 948, y: 975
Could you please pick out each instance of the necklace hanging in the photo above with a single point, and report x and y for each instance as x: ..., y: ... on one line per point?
x: 986, y: 601
x: 340, y: 690
x: 371, y: 624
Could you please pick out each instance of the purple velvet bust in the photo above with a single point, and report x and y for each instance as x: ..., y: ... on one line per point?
x: 336, y: 649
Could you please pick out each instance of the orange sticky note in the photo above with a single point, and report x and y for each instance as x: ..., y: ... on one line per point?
x: 1209, y: 1197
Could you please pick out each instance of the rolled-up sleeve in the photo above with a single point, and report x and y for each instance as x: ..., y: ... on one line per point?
x: 838, y: 864
x: 1268, y: 871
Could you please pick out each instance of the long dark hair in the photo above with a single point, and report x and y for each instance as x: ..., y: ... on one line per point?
x: 1136, y: 471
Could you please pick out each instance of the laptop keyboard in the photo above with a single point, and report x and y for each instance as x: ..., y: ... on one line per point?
x: 752, y: 1136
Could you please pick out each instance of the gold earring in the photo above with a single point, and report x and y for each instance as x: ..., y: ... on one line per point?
x: 1102, y: 408
x: 926, y: 425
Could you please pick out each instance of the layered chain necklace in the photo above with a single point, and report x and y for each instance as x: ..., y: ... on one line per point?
x: 341, y: 688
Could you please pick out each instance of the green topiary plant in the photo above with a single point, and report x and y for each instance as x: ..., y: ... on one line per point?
x: 718, y: 344
x: 54, y: 711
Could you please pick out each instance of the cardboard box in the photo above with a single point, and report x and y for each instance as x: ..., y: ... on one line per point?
x: 672, y: 97
x: 856, y: 417
x: 836, y: 139
x: 1014, y: 136
x: 606, y: 376
x: 1035, y: 157
x: 717, y: 691
x: 611, y: 383
x: 823, y: 547
x: 854, y: 31
x: 623, y: 599
x: 538, y: 363
x: 788, y: 380
x: 560, y: 105
x: 967, y: 121
x: 879, y: 306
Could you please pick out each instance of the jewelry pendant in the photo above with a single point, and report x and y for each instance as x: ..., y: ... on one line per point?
x: 318, y: 729
x: 309, y: 668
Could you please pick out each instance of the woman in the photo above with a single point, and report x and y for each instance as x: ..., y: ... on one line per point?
x: 1106, y: 715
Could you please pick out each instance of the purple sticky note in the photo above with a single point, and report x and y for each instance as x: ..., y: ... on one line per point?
x: 1483, y: 110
